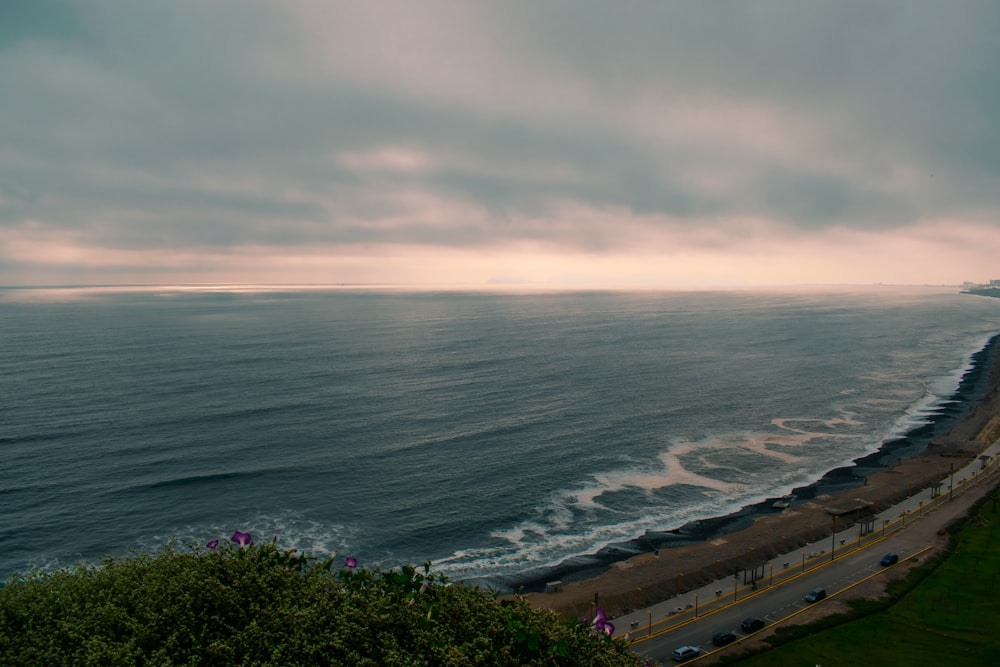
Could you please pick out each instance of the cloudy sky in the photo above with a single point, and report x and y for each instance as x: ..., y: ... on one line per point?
x: 639, y: 143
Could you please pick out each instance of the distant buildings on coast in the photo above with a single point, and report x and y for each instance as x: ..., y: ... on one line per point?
x: 992, y: 288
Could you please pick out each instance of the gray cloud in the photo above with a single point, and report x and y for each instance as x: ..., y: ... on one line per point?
x: 215, y: 124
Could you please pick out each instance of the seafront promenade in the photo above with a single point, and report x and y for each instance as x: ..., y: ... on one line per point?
x: 938, y: 504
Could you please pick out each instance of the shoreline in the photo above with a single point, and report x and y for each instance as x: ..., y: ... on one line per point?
x: 661, y: 564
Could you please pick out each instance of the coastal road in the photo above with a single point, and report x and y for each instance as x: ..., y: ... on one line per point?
x: 777, y: 603
x: 836, y: 564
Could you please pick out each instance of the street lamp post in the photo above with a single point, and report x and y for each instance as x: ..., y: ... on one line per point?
x: 833, y: 538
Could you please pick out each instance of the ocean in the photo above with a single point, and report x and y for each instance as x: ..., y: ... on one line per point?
x: 499, y: 435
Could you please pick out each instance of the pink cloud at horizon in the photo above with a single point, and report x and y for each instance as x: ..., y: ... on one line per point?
x: 678, y: 259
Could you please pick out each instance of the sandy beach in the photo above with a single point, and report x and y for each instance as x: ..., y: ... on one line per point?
x: 655, y: 576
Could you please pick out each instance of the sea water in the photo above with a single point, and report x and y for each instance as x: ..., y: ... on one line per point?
x: 494, y: 434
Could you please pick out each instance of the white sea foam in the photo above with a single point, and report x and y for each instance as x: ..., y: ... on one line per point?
x: 289, y: 530
x: 550, y: 544
x: 538, y: 543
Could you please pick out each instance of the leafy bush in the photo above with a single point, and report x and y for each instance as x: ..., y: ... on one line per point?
x: 258, y: 605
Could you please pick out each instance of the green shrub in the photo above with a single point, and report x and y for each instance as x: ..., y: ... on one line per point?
x: 258, y: 605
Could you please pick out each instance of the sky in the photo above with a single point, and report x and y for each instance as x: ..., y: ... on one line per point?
x: 652, y: 144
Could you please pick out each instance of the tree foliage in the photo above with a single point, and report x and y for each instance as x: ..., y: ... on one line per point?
x: 258, y: 605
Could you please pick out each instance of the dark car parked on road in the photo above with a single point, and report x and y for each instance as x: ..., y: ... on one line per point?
x: 724, y: 637
x: 815, y: 595
x: 752, y: 624
x: 889, y: 559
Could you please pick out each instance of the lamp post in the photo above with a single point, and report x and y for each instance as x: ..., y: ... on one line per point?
x: 650, y: 612
x: 833, y: 538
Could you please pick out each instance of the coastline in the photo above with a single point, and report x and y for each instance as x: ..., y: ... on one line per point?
x: 662, y: 564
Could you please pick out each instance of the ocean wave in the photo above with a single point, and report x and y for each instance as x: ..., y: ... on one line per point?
x: 538, y: 545
x: 492, y: 433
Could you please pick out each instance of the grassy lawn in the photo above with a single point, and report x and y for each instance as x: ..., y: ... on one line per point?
x: 947, y: 612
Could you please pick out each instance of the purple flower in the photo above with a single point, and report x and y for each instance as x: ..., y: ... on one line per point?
x: 602, y: 624
x: 351, y: 561
x: 212, y: 544
x: 243, y: 539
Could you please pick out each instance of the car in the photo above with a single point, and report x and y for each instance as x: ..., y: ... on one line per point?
x: 815, y: 595
x: 724, y: 637
x: 686, y: 653
x: 889, y: 559
x: 752, y: 624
